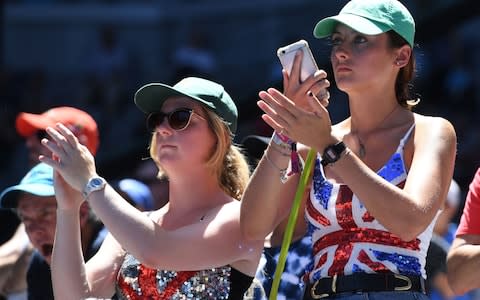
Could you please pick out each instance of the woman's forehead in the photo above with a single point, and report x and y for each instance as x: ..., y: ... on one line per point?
x: 180, y: 101
x: 341, y: 28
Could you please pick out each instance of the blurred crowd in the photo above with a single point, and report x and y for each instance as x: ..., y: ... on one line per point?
x: 448, y: 86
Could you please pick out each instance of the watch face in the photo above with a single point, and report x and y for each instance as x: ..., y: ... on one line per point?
x: 96, y: 182
x: 331, y: 153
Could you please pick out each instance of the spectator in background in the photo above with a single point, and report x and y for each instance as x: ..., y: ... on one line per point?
x: 445, y: 226
x: 437, y: 284
x: 34, y: 201
x: 15, y: 254
x: 108, y: 71
x: 135, y: 192
x: 32, y: 127
x: 463, y: 260
x: 194, y: 58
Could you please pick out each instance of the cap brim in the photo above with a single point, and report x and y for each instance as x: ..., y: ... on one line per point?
x: 27, y: 124
x: 9, y: 197
x: 150, y: 98
x: 326, y: 26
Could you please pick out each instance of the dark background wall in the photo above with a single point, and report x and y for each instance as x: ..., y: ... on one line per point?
x: 49, y: 56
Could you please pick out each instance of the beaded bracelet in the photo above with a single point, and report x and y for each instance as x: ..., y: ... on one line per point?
x: 279, y: 149
x: 289, y: 145
x: 281, y: 141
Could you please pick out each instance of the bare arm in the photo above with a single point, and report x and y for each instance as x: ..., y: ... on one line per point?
x: 266, y: 201
x: 10, y: 252
x: 68, y: 266
x: 214, y: 241
x: 463, y: 263
x: 410, y: 210
x: 71, y: 277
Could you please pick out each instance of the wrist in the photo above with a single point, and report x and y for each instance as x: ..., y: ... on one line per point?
x: 281, y: 142
x: 332, y: 153
x: 94, y: 183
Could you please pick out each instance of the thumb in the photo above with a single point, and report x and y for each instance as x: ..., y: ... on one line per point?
x: 315, y: 104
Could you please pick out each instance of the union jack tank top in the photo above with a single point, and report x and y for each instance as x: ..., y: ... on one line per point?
x: 346, y: 239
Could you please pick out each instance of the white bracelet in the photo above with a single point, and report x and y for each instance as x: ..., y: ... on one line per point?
x: 276, y: 140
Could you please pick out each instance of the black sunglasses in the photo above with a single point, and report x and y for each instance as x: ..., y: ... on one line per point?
x: 41, y: 134
x: 177, y: 120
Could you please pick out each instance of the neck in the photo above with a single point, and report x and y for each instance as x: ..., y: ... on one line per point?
x: 366, y: 122
x: 363, y: 124
x: 195, y: 191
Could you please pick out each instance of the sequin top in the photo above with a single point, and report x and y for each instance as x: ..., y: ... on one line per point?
x: 347, y: 239
x: 136, y: 281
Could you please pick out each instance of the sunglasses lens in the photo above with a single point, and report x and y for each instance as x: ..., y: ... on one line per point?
x: 153, y: 120
x: 179, y: 119
x: 41, y: 134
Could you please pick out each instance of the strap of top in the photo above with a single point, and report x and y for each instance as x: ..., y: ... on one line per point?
x: 406, y: 136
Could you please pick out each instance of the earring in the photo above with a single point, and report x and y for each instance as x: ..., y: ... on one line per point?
x: 397, y: 63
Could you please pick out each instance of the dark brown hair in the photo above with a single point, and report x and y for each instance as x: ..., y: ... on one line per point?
x: 405, y: 75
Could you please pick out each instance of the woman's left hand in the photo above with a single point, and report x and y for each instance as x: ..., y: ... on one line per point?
x: 311, y: 127
x: 70, y: 158
x: 297, y: 91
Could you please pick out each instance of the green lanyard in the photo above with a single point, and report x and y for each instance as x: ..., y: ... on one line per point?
x: 292, y: 219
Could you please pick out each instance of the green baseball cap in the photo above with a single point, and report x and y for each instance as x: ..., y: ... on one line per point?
x: 150, y: 97
x: 371, y: 17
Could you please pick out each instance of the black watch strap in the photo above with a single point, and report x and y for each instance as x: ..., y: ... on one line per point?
x: 332, y: 153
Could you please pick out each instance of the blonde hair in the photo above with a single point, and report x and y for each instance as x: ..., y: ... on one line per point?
x: 226, y: 160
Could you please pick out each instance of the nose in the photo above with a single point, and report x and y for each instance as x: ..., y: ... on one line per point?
x: 340, y: 52
x: 163, y: 128
x: 34, y: 227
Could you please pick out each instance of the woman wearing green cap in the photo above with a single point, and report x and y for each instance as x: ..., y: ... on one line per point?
x: 192, y: 248
x: 380, y: 176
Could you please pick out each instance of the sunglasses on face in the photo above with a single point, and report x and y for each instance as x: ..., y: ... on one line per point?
x: 41, y: 134
x: 177, y: 120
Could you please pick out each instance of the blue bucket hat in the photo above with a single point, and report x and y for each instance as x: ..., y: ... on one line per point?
x: 38, y: 181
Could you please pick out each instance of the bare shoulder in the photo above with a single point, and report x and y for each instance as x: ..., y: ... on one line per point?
x: 428, y: 127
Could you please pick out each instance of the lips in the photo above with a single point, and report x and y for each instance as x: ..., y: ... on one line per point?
x: 342, y: 68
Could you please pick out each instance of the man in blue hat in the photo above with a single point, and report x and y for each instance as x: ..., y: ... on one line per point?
x: 34, y: 201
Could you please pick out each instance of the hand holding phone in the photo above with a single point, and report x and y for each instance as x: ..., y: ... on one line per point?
x: 287, y: 53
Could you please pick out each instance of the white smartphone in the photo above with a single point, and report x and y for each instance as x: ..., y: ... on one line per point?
x: 287, y: 53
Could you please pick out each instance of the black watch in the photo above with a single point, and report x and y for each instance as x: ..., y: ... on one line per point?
x: 333, y: 153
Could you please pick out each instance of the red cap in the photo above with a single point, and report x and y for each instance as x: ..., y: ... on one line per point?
x: 80, y: 122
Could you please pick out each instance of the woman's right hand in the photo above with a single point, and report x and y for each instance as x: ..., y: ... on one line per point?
x: 70, y: 158
x: 297, y: 91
